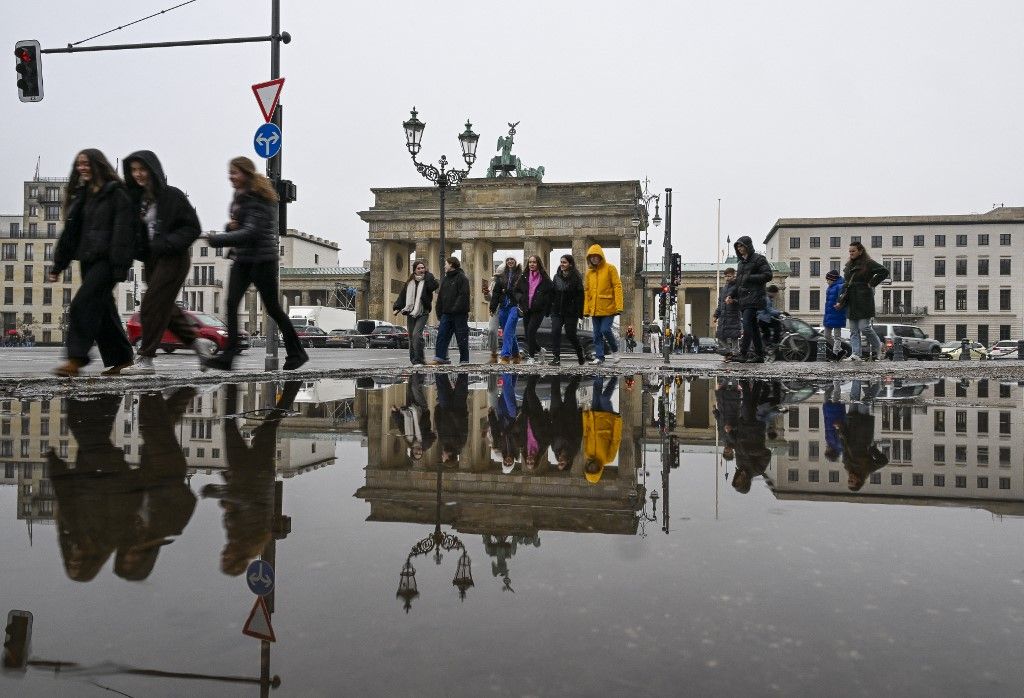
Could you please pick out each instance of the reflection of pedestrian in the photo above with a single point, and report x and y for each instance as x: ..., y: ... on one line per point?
x: 861, y: 456
x: 503, y: 419
x: 752, y: 455
x: 413, y: 420
x: 451, y: 416
x: 728, y: 398
x: 833, y: 413
x: 602, y: 429
x: 566, y: 422
x: 535, y: 427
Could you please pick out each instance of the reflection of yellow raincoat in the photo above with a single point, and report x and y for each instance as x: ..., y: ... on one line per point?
x: 603, y: 289
x: 602, y: 434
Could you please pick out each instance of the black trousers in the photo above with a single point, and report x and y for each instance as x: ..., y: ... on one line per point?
x: 93, y: 319
x: 532, y: 323
x: 262, y: 275
x: 568, y: 322
x: 160, y: 311
x: 751, y: 332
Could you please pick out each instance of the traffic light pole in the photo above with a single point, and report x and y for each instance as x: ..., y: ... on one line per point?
x: 666, y: 344
x: 270, y: 358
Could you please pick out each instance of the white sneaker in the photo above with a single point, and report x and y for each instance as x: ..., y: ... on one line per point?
x: 530, y: 361
x: 595, y: 362
x: 853, y: 357
x: 613, y: 357
x: 143, y: 366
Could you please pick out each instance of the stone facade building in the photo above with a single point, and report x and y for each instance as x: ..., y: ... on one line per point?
x: 955, y: 276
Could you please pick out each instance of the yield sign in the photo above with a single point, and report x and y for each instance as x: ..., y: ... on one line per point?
x: 258, y: 625
x: 267, y: 94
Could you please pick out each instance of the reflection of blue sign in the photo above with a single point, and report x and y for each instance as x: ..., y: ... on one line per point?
x: 267, y: 140
x: 260, y: 577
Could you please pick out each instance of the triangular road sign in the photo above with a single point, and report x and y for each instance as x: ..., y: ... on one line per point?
x: 258, y: 625
x: 267, y: 95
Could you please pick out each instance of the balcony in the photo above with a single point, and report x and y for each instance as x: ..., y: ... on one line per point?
x: 901, y: 311
x: 211, y: 283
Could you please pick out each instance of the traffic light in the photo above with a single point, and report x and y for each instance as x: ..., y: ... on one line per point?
x: 662, y: 300
x: 677, y: 269
x: 673, y: 450
x: 287, y: 191
x: 17, y: 639
x: 30, y: 71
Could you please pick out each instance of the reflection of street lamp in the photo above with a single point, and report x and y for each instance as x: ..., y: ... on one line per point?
x: 643, y: 516
x: 444, y: 178
x: 435, y: 543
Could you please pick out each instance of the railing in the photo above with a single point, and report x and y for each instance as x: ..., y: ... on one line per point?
x: 903, y: 310
x: 216, y: 283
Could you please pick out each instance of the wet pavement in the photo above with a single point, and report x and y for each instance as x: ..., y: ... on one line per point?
x: 466, y: 534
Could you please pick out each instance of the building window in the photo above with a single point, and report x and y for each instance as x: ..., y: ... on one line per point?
x: 961, y: 422
x: 793, y: 475
x: 876, y: 240
x: 939, y: 480
x: 854, y: 238
x: 983, y: 266
x: 794, y: 419
x: 982, y: 422
x: 982, y: 299
x: 815, y: 268
x: 47, y: 297
x: 896, y: 478
x: 33, y: 211
x: 1004, y: 304
x: 8, y: 296
x: 814, y: 302
x: 67, y: 275
x: 961, y: 333
x: 48, y: 252
x: 876, y: 478
x: 835, y: 264
x: 982, y: 455
x: 30, y: 251
x: 919, y: 241
x: 66, y: 297
x: 9, y: 272
x: 812, y: 476
x: 940, y: 454
x: 28, y: 273
x: 1004, y: 455
x: 1004, y: 483
x: 983, y: 336
x: 940, y: 330
x: 961, y: 241
x: 940, y: 299
x: 940, y: 240
x: 1004, y: 423
x: 52, y: 213
x: 835, y: 241
x: 897, y: 241
x: 1004, y: 266
x: 961, y: 299
x: 794, y: 268
x: 961, y: 454
x: 1004, y: 330
x: 814, y: 242
x: 794, y: 243
x: 51, y: 230
x: 1004, y: 239
x: 9, y: 251
x: 794, y: 300
x: 204, y: 251
x: 939, y: 421
x: 939, y: 389
x: 961, y: 481
x: 917, y: 479
x: 28, y: 296
x: 961, y: 266
x: 316, y: 257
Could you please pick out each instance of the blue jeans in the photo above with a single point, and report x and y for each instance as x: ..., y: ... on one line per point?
x: 457, y: 324
x: 601, y: 398
x: 508, y: 320
x: 603, y: 333
x: 865, y: 326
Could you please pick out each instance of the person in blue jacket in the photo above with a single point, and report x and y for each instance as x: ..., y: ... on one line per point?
x: 835, y: 318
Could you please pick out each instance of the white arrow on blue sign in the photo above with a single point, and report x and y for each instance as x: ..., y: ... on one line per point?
x: 267, y: 140
x: 260, y: 577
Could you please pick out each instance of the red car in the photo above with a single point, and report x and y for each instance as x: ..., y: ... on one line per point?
x: 207, y: 326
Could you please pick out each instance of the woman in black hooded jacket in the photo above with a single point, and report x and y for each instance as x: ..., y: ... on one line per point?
x: 166, y: 227
x: 566, y: 307
x: 98, y: 233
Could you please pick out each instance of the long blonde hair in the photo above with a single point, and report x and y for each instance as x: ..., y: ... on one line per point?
x: 258, y: 184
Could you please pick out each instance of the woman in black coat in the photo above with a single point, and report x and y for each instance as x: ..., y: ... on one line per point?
x: 98, y: 233
x: 533, y: 296
x: 252, y: 233
x: 166, y: 226
x: 566, y: 307
x: 414, y: 302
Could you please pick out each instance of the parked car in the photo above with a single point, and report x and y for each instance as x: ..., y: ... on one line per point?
x: 208, y: 327
x: 800, y: 341
x: 952, y: 350
x: 1003, y: 349
x: 707, y: 345
x: 345, y: 339
x: 388, y: 337
x: 311, y: 336
x: 916, y: 344
x: 586, y: 338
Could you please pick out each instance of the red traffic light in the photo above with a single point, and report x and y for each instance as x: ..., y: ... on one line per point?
x: 664, y: 288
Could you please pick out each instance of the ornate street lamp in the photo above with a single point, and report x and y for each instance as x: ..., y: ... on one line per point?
x: 645, y: 200
x: 442, y: 176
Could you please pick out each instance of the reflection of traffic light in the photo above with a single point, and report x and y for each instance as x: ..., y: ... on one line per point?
x: 673, y: 452
x: 671, y: 420
x: 30, y: 75
x: 16, y: 640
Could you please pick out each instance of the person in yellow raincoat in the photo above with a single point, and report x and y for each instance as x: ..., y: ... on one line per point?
x: 602, y: 301
x: 602, y: 430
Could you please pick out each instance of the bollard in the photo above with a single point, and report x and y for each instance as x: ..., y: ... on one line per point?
x: 1020, y: 349
x: 822, y: 354
x: 897, y: 349
x: 965, y: 350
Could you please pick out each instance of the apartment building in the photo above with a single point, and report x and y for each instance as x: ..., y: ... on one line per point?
x: 955, y: 276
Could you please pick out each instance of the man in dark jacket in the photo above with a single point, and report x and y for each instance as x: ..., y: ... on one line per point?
x: 453, y: 313
x: 752, y: 273
x: 752, y: 455
x: 566, y: 422
x: 727, y: 317
x: 451, y: 416
x: 166, y: 227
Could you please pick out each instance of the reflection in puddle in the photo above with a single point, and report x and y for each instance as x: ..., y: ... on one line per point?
x: 479, y: 470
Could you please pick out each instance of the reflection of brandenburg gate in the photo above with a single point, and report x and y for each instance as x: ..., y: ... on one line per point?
x: 485, y: 216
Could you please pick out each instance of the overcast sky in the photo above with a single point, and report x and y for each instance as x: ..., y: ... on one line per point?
x: 781, y: 109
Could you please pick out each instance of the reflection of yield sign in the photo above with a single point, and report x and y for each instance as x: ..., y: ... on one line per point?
x: 267, y: 140
x: 258, y: 625
x: 260, y: 577
x: 267, y: 94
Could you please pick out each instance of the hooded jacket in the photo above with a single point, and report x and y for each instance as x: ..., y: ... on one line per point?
x: 602, y: 435
x: 752, y: 274
x: 453, y: 298
x: 834, y: 317
x: 861, y: 276
x: 541, y: 297
x: 730, y: 325
x: 177, y: 225
x: 255, y: 239
x: 98, y: 227
x: 603, y: 289
x: 567, y: 294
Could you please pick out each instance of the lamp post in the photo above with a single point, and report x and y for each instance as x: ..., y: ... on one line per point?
x: 645, y: 200
x: 666, y: 265
x: 444, y: 177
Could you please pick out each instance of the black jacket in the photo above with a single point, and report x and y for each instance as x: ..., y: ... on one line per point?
x: 98, y: 227
x: 427, y: 298
x: 453, y: 298
x: 728, y: 315
x: 255, y: 238
x: 752, y: 274
x: 177, y: 225
x: 505, y: 287
x: 451, y: 415
x: 567, y: 295
x: 541, y: 297
x: 566, y: 420
x: 860, y: 278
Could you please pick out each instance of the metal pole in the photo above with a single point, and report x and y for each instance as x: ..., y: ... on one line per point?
x: 270, y: 359
x: 718, y: 252
x: 666, y: 348
x: 441, y: 244
x: 643, y: 285
x: 159, y: 44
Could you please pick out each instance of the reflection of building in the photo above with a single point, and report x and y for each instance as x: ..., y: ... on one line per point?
x: 950, y: 441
